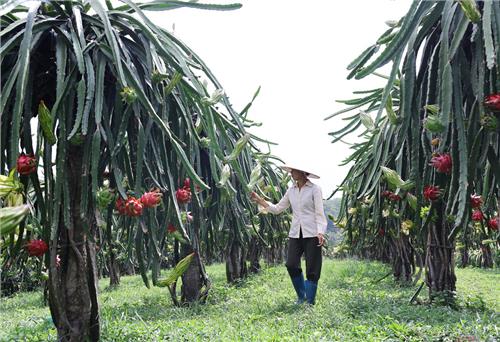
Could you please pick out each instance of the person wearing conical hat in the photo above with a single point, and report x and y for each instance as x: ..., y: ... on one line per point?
x: 307, y: 231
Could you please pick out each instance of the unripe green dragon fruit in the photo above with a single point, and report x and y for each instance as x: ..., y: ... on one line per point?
x: 128, y: 95
x: 157, y: 76
x: 433, y: 124
x: 412, y: 201
x: 489, y: 122
x: 104, y: 197
x: 205, y: 142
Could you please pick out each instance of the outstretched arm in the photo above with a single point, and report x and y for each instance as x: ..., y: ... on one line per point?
x: 283, y: 204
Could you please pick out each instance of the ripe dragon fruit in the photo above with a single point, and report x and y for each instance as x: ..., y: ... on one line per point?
x: 493, y: 102
x: 183, y: 196
x: 151, y: 199
x: 475, y: 201
x: 391, y: 196
x: 477, y: 215
x: 171, y: 228
x: 37, y: 247
x: 26, y: 164
x: 128, y: 95
x: 395, y: 198
x: 386, y: 193
x: 442, y: 162
x: 120, y: 206
x: 489, y: 122
x: 431, y: 192
x: 133, y: 207
x: 493, y: 223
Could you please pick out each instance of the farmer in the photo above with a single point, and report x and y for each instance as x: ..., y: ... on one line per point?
x: 306, y: 233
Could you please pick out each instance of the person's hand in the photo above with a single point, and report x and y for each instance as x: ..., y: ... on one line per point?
x: 254, y: 197
x: 321, y: 240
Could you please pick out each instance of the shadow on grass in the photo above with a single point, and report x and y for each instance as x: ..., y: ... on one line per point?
x: 110, y: 289
x: 286, y: 307
x: 159, y: 308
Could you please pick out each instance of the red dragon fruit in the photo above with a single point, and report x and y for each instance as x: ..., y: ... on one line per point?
x: 133, y: 207
x: 442, y: 162
x: 477, y: 215
x: 183, y: 196
x: 26, y: 164
x: 431, y: 192
x: 120, y: 206
x: 475, y: 201
x: 151, y: 199
x: 37, y: 247
x: 493, y: 223
x: 493, y: 102
x: 171, y: 228
x: 395, y: 198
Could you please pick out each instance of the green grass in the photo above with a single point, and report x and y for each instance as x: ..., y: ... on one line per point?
x: 350, y: 307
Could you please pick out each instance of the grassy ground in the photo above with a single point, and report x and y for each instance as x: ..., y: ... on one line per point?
x: 350, y: 307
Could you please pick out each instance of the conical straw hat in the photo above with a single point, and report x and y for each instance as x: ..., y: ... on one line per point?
x: 290, y: 167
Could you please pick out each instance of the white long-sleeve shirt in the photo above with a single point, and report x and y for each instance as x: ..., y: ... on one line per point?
x: 307, y: 210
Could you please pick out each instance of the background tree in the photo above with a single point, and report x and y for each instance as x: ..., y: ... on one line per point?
x: 441, y: 135
x: 112, y: 113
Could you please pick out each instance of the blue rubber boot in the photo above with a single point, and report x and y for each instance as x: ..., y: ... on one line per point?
x: 298, y: 284
x: 311, y: 287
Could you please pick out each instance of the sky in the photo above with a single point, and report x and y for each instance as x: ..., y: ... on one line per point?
x: 297, y: 52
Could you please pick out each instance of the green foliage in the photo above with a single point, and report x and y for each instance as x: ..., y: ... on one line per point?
x: 130, y: 103
x: 45, y: 121
x: 178, y: 271
x: 23, y: 278
x: 10, y: 217
x: 431, y: 111
x: 350, y: 307
x: 470, y: 9
x: 10, y: 185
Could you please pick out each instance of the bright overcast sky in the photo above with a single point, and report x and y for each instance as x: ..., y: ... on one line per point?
x: 297, y: 51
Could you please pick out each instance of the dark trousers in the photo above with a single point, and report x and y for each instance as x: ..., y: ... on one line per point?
x: 309, y: 247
